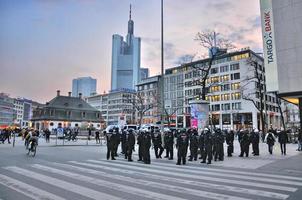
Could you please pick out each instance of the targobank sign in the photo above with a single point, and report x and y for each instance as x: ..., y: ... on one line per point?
x: 269, y: 48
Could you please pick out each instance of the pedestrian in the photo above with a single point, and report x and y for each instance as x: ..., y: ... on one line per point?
x: 230, y: 142
x: 140, y: 147
x: 182, y: 147
x: 208, y: 142
x: 193, y: 138
x: 245, y: 143
x: 110, y: 144
x: 89, y: 132
x: 270, y: 141
x: 283, y: 139
x: 146, y: 145
x: 255, y: 137
x: 129, y: 144
x: 47, y: 135
x: 123, y: 140
x: 299, y: 140
x: 97, y: 136
x: 157, y: 143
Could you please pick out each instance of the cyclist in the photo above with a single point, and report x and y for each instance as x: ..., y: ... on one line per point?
x: 31, y: 138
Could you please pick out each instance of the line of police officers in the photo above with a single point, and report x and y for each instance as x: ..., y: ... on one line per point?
x: 209, y: 143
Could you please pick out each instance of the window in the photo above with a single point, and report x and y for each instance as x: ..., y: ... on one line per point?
x: 215, y: 89
x: 224, y: 68
x: 236, y: 106
x: 235, y: 86
x: 235, y: 66
x: 216, y: 107
x: 214, y: 70
x: 224, y: 78
x: 225, y: 97
x: 83, y: 114
x: 235, y: 76
x: 225, y: 106
x: 225, y: 87
x: 215, y: 98
x: 236, y: 96
x: 215, y: 79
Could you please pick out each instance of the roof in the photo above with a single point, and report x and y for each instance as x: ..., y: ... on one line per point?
x: 67, y: 102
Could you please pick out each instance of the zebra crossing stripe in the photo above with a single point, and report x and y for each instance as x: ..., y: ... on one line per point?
x: 208, y: 178
x: 199, y: 167
x: 84, y: 191
x: 201, y: 172
x: 110, y: 185
x: 26, y: 189
x: 173, y: 180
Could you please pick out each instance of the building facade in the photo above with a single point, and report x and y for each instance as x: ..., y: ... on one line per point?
x: 7, y: 111
x: 125, y: 66
x: 66, y: 111
x: 148, y: 91
x: 23, y: 109
x: 84, y: 85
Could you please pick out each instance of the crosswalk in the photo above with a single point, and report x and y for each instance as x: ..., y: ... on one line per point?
x: 119, y: 179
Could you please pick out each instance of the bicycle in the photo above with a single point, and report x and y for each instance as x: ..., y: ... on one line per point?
x: 32, y: 148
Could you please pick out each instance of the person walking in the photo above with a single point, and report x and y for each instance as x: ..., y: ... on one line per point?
x: 193, y: 145
x: 97, y: 136
x: 157, y: 144
x: 129, y: 144
x: 255, y: 137
x: 270, y: 141
x: 245, y: 144
x: 283, y: 139
x: 110, y: 144
x: 146, y: 144
x: 169, y: 144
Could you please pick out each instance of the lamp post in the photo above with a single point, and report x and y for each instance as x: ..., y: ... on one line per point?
x: 162, y: 66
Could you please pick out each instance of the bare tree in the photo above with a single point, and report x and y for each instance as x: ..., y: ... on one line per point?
x: 209, y: 40
x: 279, y: 101
x: 143, y: 103
x: 254, y: 77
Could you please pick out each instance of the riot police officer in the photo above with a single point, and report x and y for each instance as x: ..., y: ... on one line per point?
x: 255, y: 137
x: 208, y: 141
x: 193, y: 145
x: 201, y: 144
x: 140, y: 147
x: 146, y: 144
x: 245, y: 143
x: 218, y: 144
x: 169, y: 144
x: 116, y: 138
x: 182, y: 147
x: 110, y: 144
x: 129, y: 144
x: 157, y: 143
x: 230, y: 142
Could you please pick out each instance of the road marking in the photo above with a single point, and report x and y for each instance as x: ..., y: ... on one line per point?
x: 209, y: 178
x: 201, y: 172
x: 27, y: 190
x: 84, y: 191
x: 110, y: 185
x: 159, y: 178
x: 235, y: 172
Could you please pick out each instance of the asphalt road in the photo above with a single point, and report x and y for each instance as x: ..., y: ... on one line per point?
x: 79, y: 171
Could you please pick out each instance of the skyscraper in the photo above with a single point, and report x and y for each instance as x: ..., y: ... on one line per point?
x: 84, y: 85
x: 125, y: 66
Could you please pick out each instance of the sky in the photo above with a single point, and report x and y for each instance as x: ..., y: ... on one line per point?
x: 44, y: 44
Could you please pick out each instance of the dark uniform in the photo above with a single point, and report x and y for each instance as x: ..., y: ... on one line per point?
x: 140, y: 146
x: 182, y: 147
x: 218, y: 145
x: 283, y: 139
x: 123, y: 141
x: 255, y: 137
x: 157, y: 143
x: 193, y: 145
x: 201, y: 145
x: 116, y: 138
x: 110, y: 144
x: 169, y: 143
x: 208, y: 142
x: 230, y: 142
x: 146, y: 144
x: 270, y: 140
x: 129, y: 144
x: 245, y: 143
x: 97, y: 137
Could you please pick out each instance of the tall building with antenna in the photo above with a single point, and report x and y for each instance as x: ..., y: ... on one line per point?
x: 126, y: 55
